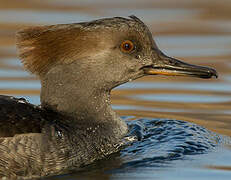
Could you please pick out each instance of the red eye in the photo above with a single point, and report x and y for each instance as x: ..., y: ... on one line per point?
x: 127, y: 46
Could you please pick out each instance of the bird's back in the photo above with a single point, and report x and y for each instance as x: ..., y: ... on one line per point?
x: 17, y: 116
x: 20, y: 138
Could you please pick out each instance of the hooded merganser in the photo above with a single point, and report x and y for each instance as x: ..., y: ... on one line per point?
x: 78, y: 66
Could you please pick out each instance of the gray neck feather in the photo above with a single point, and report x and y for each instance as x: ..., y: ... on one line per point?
x: 69, y: 90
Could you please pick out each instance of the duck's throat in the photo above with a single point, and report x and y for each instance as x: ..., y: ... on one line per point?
x: 78, y: 98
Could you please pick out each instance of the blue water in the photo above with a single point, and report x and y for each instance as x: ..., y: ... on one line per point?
x: 162, y: 147
x: 171, y: 110
x: 217, y: 86
x: 190, y: 98
x: 29, y: 16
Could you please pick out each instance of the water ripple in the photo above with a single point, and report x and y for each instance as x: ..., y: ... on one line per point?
x: 161, y: 141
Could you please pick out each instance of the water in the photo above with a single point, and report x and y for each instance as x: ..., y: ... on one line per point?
x: 161, y: 145
x: 182, y: 125
x: 190, y: 98
x: 14, y: 16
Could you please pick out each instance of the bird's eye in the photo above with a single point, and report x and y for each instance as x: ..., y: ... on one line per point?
x: 127, y: 46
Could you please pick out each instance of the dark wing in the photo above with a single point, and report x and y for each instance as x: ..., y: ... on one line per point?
x: 18, y: 117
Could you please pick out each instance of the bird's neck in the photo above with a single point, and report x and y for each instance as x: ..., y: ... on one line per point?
x: 74, y: 94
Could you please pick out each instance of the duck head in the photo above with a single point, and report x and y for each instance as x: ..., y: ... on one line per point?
x: 109, y: 52
x: 82, y: 61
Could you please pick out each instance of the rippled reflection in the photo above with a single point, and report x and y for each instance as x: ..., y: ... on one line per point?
x: 189, y: 98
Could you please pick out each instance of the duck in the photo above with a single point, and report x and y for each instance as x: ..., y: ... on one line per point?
x: 78, y: 65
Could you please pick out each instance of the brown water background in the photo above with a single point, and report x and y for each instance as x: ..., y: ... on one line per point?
x: 196, y: 31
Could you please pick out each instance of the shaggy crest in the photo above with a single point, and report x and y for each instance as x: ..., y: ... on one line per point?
x: 42, y: 47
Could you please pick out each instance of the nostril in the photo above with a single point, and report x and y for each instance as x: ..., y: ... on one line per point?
x: 174, y: 62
